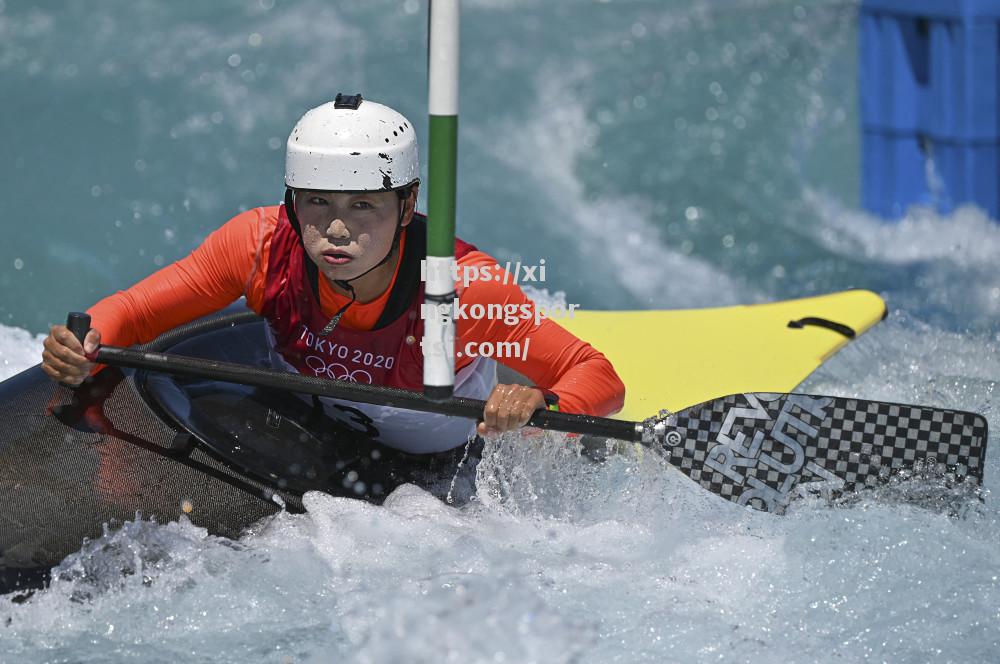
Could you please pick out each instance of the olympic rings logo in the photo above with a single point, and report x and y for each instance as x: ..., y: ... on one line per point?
x: 337, y: 371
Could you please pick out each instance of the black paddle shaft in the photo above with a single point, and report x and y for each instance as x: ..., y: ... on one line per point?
x: 374, y: 394
x: 384, y: 396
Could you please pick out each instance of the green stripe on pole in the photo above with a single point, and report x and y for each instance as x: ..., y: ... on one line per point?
x: 442, y: 173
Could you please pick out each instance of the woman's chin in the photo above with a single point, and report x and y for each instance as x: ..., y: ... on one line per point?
x: 343, y: 272
x: 340, y: 273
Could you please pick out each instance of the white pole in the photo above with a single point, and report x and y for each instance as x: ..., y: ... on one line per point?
x: 439, y: 291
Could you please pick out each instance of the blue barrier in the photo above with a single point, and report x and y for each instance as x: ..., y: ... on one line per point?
x: 929, y: 84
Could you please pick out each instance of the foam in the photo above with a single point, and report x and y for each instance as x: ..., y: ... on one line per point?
x: 546, y: 144
x: 19, y: 350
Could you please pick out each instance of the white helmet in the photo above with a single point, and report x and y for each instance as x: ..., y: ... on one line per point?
x: 351, y: 145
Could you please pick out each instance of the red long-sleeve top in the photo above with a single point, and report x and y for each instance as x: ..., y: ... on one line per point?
x: 232, y: 262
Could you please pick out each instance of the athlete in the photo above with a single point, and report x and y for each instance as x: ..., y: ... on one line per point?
x: 335, y: 271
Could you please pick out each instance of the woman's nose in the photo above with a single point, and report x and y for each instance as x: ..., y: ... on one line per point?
x: 337, y: 228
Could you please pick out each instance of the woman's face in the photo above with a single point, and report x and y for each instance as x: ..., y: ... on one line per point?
x: 346, y: 234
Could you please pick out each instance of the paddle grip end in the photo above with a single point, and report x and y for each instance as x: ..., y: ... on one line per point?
x: 79, y: 324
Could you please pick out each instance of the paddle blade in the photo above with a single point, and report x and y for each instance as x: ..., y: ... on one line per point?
x: 762, y: 449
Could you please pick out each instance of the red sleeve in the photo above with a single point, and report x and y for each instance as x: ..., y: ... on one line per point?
x: 555, y: 359
x: 225, y: 266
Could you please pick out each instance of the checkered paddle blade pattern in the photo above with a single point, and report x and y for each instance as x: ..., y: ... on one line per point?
x: 755, y: 449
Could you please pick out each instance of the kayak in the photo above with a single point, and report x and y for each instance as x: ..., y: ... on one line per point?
x: 678, y: 358
x: 226, y: 456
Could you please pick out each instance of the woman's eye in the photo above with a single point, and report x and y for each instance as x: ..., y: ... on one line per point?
x: 315, y: 200
x: 363, y: 205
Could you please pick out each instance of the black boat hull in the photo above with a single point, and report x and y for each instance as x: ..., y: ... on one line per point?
x: 225, y: 456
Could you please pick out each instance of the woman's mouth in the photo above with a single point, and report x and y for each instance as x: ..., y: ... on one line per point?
x: 337, y: 257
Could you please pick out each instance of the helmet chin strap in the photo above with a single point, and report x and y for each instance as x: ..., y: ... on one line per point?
x: 346, y: 283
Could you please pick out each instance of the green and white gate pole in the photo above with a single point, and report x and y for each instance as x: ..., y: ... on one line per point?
x: 439, y: 294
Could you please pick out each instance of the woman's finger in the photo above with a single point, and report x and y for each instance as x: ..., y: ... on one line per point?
x: 92, y: 342
x: 510, y: 407
x: 63, y: 371
x: 67, y: 338
x: 56, y: 363
x: 489, y: 423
